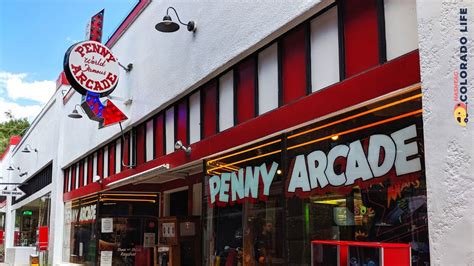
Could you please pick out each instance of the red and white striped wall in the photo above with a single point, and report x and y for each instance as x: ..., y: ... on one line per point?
x: 351, y: 40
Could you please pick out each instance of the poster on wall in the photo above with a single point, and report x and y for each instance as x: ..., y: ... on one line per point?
x: 106, y: 258
x: 149, y: 240
x: 107, y: 225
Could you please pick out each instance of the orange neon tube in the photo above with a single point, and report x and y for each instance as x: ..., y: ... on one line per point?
x: 131, y: 195
x: 244, y: 151
x: 248, y: 159
x: 133, y: 200
x: 357, y: 115
x: 357, y: 129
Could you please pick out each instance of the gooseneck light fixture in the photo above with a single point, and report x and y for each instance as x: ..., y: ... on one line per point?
x: 75, y: 114
x: 28, y: 149
x: 168, y: 25
x: 179, y: 146
x: 11, y: 167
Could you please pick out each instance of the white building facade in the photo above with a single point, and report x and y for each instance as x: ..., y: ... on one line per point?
x: 367, y: 87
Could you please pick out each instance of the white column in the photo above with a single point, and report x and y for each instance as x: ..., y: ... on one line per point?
x: 449, y: 147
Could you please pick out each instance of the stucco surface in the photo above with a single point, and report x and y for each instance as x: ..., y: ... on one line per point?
x: 169, y: 65
x: 449, y: 147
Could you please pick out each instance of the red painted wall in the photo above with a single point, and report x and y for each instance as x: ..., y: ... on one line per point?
x: 293, y: 65
x: 140, y: 130
x: 182, y: 121
x: 360, y: 35
x: 100, y: 163
x: 245, y: 75
x: 209, y: 109
x: 111, y: 161
x: 73, y: 177
x: 66, y: 180
x: 81, y: 173
x: 391, y: 76
x: 126, y: 150
x: 90, y: 169
x: 159, y: 131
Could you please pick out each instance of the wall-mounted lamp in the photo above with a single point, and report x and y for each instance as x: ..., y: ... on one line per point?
x: 23, y: 174
x: 75, y: 114
x: 12, y: 168
x: 179, y: 146
x: 128, y: 68
x: 28, y: 149
x: 167, y: 25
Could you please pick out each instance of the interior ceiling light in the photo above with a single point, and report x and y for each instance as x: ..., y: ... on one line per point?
x: 168, y: 25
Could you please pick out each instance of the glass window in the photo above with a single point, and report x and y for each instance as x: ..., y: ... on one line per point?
x: 134, y: 228
x: 358, y: 176
x: 244, y: 218
x: 27, y: 220
x: 131, y: 235
x: 81, y: 228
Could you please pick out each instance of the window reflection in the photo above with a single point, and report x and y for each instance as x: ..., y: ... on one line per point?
x: 367, y: 184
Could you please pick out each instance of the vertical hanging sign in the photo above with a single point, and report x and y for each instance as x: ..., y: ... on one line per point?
x: 94, y: 27
x: 93, y: 71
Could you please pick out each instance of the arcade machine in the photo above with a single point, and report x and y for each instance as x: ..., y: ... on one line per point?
x: 179, y: 242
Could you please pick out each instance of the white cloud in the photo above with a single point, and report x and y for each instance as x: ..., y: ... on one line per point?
x: 16, y: 87
x: 71, y: 40
x: 18, y: 111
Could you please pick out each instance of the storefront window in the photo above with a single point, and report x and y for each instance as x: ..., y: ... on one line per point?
x: 245, y: 214
x: 358, y: 176
x: 112, y: 229
x: 81, y: 220
x: 27, y: 220
x: 134, y: 224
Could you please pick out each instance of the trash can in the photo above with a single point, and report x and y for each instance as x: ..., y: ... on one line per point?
x: 34, y: 260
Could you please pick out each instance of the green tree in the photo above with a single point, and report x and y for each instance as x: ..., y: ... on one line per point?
x: 10, y: 128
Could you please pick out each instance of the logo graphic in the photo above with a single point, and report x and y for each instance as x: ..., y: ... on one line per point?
x: 461, y: 74
x: 90, y: 67
x: 460, y: 114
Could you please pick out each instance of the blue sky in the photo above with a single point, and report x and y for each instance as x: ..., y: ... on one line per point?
x: 33, y: 38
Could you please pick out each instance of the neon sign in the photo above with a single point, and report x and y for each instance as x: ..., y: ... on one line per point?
x: 93, y: 71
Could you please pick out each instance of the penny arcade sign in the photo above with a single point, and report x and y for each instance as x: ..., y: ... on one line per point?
x: 93, y: 71
x: 377, y: 150
x: 91, y: 67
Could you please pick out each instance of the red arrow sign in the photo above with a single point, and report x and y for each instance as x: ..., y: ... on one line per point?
x: 105, y: 113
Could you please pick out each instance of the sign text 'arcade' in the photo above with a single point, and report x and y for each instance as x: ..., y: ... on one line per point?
x: 397, y: 151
